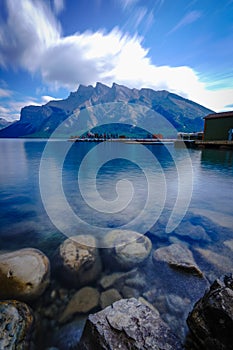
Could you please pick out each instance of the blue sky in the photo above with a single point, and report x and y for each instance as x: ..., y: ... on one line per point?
x: 49, y: 47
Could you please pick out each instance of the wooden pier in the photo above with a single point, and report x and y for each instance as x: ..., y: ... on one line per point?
x: 214, y: 144
x: 199, y: 144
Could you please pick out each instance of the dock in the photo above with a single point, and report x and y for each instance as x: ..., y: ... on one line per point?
x: 199, y: 144
x: 214, y: 144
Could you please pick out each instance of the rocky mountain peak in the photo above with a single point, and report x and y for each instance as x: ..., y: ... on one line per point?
x: 85, y: 90
x: 41, y: 121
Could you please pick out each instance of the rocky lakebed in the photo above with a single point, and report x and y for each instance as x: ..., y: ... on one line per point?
x: 143, y: 292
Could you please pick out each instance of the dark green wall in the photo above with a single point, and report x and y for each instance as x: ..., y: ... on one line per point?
x: 217, y: 129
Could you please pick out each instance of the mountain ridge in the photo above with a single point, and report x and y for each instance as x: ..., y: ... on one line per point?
x: 4, y: 123
x: 41, y: 121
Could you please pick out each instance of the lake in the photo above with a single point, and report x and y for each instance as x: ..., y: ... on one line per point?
x: 51, y: 190
x: 24, y: 219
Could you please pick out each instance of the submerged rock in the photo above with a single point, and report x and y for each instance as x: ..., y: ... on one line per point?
x: 116, y: 279
x: 127, y: 249
x: 127, y: 324
x: 108, y: 297
x: 129, y: 292
x: 16, y: 324
x: 177, y: 256
x: 77, y: 261
x: 211, y: 320
x: 24, y: 274
x: 195, y: 232
x: 84, y: 301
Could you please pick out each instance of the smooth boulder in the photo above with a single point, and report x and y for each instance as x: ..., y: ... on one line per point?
x: 211, y: 320
x: 126, y: 249
x: 177, y: 256
x: 16, y: 325
x: 127, y: 324
x: 24, y: 274
x: 78, y: 261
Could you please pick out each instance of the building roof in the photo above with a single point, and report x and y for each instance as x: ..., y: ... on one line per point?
x: 219, y: 115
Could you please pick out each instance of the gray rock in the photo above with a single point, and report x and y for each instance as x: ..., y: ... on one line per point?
x: 127, y: 249
x: 108, y: 297
x: 85, y: 300
x: 16, y: 321
x: 129, y: 292
x: 77, y: 261
x: 177, y: 256
x: 195, y: 232
x: 145, y: 302
x: 211, y: 320
x: 176, y: 304
x: 24, y: 274
x: 116, y: 278
x: 151, y: 294
x: 138, y: 281
x: 127, y: 325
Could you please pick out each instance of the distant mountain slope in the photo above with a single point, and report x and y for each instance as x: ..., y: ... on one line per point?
x: 41, y: 121
x: 4, y: 123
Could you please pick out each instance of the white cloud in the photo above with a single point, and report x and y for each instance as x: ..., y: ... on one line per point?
x: 28, y: 31
x: 31, y: 38
x: 45, y: 99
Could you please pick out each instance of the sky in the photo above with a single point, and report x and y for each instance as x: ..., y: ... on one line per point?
x: 49, y: 47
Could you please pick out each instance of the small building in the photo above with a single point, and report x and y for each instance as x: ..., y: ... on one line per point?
x: 218, y: 127
x: 157, y: 136
x: 190, y: 135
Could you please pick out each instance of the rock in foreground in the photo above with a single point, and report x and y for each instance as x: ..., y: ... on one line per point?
x: 24, y: 274
x: 211, y: 321
x: 16, y: 322
x: 78, y: 262
x: 127, y: 324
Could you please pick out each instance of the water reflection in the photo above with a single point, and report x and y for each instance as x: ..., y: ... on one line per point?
x: 16, y: 167
x: 217, y: 158
x: 22, y: 210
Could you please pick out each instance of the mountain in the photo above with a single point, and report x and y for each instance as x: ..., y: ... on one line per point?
x: 4, y: 123
x: 90, y: 107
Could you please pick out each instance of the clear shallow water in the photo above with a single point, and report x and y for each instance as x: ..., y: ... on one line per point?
x: 24, y: 220
x: 207, y: 222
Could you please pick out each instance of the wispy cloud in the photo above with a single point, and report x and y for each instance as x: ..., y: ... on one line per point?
x: 189, y: 18
x: 58, y: 6
x: 140, y: 17
x: 28, y: 31
x: 127, y: 4
x: 5, y: 93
